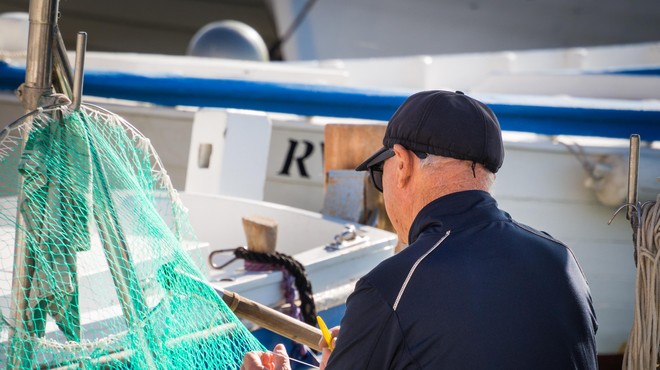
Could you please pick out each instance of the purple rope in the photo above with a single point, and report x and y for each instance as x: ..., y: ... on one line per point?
x: 289, y: 290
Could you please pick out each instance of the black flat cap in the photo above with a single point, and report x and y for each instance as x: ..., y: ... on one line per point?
x: 445, y: 123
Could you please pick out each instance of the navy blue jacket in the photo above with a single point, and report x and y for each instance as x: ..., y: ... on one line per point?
x: 473, y: 290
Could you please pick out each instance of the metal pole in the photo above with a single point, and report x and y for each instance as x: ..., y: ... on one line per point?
x: 633, y: 170
x: 81, y: 45
x: 62, y: 76
x: 633, y: 213
x: 38, y: 70
x: 37, y: 84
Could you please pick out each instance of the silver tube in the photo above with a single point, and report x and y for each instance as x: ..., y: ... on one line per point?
x: 81, y: 45
x: 62, y: 76
x: 633, y: 170
x: 38, y: 70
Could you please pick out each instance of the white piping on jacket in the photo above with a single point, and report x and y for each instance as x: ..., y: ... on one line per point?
x: 414, y: 267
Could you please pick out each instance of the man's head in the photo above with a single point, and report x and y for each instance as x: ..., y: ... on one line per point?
x: 436, y: 143
x: 444, y: 123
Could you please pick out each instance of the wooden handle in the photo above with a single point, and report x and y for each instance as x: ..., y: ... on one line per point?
x: 272, y: 320
x: 250, y: 310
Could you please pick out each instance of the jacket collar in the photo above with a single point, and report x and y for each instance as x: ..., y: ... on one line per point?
x: 456, y: 211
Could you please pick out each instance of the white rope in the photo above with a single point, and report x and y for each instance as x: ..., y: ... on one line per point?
x: 644, y: 341
x: 12, y: 134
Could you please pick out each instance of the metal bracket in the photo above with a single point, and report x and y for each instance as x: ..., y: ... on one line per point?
x: 633, y: 212
x: 349, y: 237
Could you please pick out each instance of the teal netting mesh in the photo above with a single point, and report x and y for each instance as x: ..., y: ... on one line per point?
x: 95, y: 254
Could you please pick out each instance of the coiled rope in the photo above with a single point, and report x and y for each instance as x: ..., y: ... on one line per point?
x: 644, y: 341
x: 293, y: 267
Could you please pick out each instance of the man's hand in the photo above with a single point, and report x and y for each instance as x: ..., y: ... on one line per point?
x: 326, y: 350
x: 278, y: 359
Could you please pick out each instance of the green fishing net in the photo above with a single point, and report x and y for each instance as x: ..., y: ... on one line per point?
x: 99, y: 267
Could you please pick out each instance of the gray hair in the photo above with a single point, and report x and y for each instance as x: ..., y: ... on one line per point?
x: 484, y: 178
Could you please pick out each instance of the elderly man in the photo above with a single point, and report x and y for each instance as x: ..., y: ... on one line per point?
x: 474, y: 289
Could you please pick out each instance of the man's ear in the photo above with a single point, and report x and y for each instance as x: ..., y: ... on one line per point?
x: 404, y: 165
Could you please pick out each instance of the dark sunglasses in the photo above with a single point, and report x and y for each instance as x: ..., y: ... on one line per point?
x: 376, y: 170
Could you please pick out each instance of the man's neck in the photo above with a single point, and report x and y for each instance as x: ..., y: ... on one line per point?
x: 432, y: 185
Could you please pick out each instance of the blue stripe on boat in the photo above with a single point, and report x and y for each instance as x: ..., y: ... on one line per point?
x: 335, y: 101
